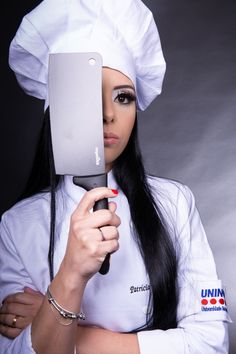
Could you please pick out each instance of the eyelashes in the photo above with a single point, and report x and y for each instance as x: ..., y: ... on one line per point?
x: 124, y: 97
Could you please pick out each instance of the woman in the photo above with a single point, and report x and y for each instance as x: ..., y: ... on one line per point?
x: 157, y: 296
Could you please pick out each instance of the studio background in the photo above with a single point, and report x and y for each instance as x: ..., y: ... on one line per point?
x: 188, y: 133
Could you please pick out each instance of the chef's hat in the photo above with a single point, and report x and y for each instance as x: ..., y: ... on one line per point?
x: 123, y: 32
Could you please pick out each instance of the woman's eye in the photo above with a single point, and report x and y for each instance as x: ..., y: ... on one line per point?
x: 124, y: 98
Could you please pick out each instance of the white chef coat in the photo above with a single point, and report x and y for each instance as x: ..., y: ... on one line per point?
x: 118, y: 301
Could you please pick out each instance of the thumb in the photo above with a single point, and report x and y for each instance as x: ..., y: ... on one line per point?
x: 112, y: 206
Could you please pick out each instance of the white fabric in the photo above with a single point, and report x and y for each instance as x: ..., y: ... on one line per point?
x: 123, y: 32
x: 23, y: 262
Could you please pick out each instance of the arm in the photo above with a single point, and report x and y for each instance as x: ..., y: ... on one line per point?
x: 84, y: 255
x: 91, y: 340
x: 197, y: 331
x: 25, y: 306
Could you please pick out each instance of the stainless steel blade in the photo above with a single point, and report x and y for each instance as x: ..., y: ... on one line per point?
x: 75, y: 104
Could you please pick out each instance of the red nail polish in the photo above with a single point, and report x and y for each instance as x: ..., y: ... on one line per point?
x: 115, y: 191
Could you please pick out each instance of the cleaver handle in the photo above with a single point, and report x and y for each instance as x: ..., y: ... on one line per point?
x: 88, y: 183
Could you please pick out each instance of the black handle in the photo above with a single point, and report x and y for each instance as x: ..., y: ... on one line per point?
x: 101, y: 204
x: 105, y: 265
x: 88, y: 183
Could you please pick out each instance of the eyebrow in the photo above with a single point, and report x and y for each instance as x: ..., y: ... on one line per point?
x: 124, y: 86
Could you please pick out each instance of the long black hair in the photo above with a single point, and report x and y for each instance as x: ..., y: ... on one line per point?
x: 155, y: 244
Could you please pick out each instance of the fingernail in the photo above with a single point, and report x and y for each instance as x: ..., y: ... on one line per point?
x: 115, y: 191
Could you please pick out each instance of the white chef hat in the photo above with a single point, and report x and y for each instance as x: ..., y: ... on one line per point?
x: 123, y: 32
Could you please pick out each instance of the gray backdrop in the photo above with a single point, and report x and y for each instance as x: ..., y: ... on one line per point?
x: 187, y: 134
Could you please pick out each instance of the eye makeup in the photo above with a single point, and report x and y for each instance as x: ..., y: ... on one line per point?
x: 123, y: 95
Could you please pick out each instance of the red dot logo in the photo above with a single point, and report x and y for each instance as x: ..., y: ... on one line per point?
x: 213, y: 301
x: 222, y: 301
x: 204, y: 302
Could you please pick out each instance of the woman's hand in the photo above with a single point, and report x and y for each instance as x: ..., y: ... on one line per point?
x: 91, y: 236
x: 18, y: 311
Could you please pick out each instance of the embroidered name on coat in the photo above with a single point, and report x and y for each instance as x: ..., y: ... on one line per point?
x: 213, y: 300
x: 136, y: 289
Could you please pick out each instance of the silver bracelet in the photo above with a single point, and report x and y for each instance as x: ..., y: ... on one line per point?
x: 63, y: 312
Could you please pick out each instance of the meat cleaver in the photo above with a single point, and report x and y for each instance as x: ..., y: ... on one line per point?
x: 75, y: 105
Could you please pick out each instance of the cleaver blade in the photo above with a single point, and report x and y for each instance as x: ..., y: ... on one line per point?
x: 76, y: 118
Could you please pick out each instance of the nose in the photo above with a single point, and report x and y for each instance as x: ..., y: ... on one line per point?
x: 108, y: 111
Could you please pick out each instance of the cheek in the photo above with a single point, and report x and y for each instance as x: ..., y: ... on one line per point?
x: 128, y: 126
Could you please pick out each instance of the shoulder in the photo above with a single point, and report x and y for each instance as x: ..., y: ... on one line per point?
x: 28, y: 210
x: 170, y: 190
x: 24, y: 238
x: 30, y: 216
x: 174, y: 200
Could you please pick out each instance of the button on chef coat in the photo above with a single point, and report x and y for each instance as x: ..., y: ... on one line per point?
x: 118, y: 301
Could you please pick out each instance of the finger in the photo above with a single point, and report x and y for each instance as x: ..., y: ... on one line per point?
x: 106, y: 247
x: 9, y: 332
x: 112, y: 206
x: 108, y: 233
x: 21, y: 298
x: 23, y: 309
x: 14, y: 321
x: 14, y: 308
x: 94, y: 220
x: 104, y: 217
x: 13, y: 298
x: 92, y: 196
x: 89, y: 239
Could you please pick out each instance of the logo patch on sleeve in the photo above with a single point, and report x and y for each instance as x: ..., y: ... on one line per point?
x: 213, y: 299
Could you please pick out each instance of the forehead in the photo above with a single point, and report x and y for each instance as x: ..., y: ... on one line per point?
x: 115, y: 78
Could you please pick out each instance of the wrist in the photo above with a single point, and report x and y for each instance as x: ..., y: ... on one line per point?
x: 72, y: 275
x: 68, y: 290
x: 72, y: 280
x: 65, y: 317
